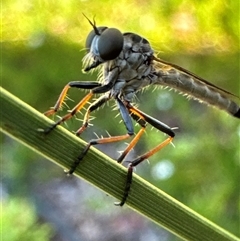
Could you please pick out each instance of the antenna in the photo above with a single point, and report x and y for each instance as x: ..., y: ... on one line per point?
x: 93, y: 24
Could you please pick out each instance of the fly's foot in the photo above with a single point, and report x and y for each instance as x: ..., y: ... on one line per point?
x: 47, y: 130
x: 69, y: 172
x: 74, y: 166
x: 127, y: 186
x: 77, y: 161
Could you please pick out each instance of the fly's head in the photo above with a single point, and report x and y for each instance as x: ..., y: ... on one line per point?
x: 103, y: 44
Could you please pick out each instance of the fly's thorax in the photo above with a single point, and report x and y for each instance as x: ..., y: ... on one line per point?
x: 133, y: 66
x: 136, y: 43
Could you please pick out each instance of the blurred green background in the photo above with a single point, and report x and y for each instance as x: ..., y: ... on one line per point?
x: 42, y: 50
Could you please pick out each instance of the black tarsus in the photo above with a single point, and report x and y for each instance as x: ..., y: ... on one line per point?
x: 127, y: 187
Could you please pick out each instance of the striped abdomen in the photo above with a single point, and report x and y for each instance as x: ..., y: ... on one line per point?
x: 188, y: 83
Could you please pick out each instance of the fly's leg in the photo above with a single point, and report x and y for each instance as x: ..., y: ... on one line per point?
x: 70, y: 114
x: 127, y: 121
x: 94, y: 87
x: 142, y: 118
x: 96, y: 142
x: 62, y: 96
x: 135, y: 163
x: 136, y: 138
x: 99, y: 102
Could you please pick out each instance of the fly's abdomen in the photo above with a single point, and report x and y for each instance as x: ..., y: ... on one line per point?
x: 196, y: 88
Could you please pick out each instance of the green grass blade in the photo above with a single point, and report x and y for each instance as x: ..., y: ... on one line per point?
x: 22, y: 122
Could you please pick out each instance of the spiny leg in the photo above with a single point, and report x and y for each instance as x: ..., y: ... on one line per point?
x: 96, y: 88
x: 71, y: 113
x: 96, y: 104
x: 136, y: 138
x: 152, y: 121
x: 131, y: 145
x: 157, y: 124
x: 135, y: 163
x: 62, y: 96
x: 127, y: 121
x: 100, y: 101
x: 96, y: 142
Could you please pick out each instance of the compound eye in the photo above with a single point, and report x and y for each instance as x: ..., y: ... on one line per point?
x: 91, y: 36
x: 110, y: 44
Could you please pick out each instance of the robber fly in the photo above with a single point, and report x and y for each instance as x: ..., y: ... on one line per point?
x: 128, y: 65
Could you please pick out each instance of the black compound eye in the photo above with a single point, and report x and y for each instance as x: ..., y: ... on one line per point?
x: 91, y: 36
x: 110, y: 44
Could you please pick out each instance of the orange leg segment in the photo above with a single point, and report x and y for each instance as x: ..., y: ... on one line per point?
x: 131, y: 145
x: 134, y: 163
x: 71, y: 114
x: 95, y: 142
x: 100, y: 101
x: 59, y: 102
x: 142, y: 118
